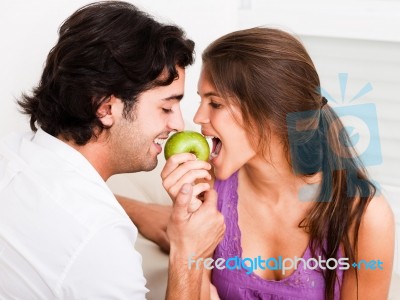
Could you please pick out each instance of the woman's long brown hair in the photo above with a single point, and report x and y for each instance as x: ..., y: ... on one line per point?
x: 270, y: 76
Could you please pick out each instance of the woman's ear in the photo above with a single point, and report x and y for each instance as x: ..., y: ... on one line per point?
x: 106, y: 111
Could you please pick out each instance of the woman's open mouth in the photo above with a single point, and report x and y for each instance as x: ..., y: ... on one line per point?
x: 216, y: 147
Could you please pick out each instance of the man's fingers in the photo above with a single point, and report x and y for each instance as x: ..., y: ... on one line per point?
x: 188, y: 177
x: 211, y: 198
x: 178, y: 164
x: 198, y: 196
x: 194, y: 205
x: 210, y: 203
x: 182, y: 201
x: 200, y: 188
x: 174, y: 161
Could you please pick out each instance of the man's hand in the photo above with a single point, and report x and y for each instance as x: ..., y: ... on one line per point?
x: 151, y: 219
x: 185, y: 168
x: 196, y: 232
x: 191, y: 234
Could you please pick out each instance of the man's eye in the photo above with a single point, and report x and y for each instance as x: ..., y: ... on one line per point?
x: 167, y: 110
x: 215, y: 104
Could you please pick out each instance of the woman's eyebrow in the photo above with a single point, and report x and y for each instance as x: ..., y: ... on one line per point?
x: 209, y: 94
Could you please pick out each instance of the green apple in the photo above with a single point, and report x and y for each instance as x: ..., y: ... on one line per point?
x: 187, y: 142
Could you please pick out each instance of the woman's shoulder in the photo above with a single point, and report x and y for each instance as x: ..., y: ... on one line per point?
x: 375, y: 252
x: 377, y: 231
x: 378, y: 215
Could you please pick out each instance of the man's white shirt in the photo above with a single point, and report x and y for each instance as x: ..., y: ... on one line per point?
x: 63, y: 235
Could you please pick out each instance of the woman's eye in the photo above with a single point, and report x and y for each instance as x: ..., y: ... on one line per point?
x: 215, y: 104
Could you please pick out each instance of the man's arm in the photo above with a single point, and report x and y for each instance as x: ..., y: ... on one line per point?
x: 193, y: 236
x: 151, y: 219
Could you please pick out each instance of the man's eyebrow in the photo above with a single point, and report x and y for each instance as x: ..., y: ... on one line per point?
x: 173, y: 97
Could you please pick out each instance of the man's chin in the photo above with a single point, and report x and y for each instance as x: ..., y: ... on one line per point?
x: 143, y: 165
x: 151, y: 165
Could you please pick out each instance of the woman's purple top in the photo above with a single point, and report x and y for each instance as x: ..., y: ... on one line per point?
x: 236, y: 284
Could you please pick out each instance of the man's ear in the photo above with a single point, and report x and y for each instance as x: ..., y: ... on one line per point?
x: 106, y: 111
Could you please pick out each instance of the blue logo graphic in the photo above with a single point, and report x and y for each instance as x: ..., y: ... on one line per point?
x: 361, y: 125
x: 350, y: 136
x: 374, y: 264
x: 359, y: 119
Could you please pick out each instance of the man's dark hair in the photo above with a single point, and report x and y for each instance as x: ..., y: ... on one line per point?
x: 104, y: 48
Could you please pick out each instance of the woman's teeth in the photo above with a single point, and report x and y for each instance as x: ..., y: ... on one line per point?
x: 209, y: 140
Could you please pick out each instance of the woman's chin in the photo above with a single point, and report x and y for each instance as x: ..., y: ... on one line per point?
x: 222, y: 173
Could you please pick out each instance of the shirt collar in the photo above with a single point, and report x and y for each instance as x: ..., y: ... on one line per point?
x: 68, y: 154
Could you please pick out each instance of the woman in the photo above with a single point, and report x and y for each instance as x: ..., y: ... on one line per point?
x: 289, y: 184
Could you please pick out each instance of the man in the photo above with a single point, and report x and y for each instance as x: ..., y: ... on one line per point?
x: 109, y: 94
